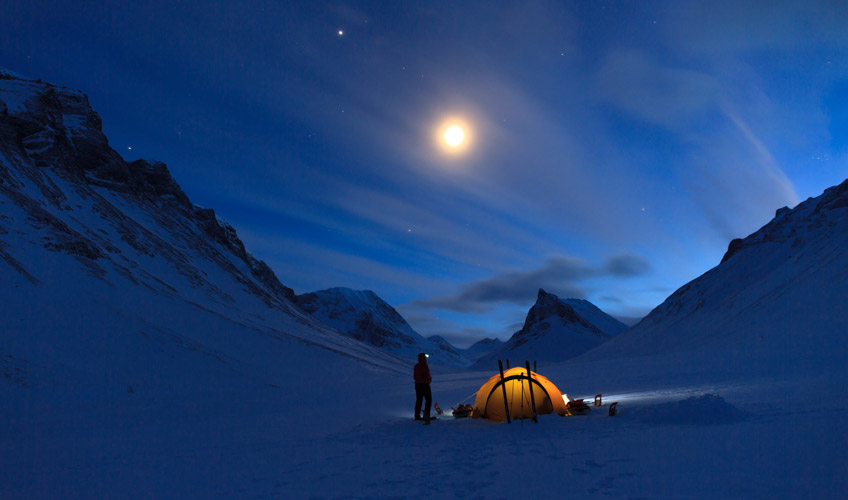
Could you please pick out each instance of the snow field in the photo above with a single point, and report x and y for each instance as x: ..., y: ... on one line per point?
x: 348, y: 433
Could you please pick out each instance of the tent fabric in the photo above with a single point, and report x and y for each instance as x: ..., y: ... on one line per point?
x: 489, y: 402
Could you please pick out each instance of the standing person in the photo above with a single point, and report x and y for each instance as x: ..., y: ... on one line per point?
x: 422, y: 388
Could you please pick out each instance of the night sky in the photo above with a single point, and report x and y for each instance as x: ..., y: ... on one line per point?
x: 612, y: 149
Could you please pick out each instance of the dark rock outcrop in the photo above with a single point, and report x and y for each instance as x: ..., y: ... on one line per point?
x: 50, y: 136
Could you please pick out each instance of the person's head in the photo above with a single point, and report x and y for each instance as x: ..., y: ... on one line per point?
x: 422, y: 357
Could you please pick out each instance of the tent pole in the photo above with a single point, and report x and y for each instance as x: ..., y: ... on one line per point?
x: 532, y: 398
x: 503, y: 386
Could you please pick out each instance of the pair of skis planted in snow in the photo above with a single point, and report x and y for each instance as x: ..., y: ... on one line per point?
x: 529, y: 384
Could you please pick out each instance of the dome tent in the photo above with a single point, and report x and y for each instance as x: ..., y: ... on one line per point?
x: 489, y: 402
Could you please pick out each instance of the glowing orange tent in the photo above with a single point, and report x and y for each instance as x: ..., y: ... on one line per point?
x: 490, y: 398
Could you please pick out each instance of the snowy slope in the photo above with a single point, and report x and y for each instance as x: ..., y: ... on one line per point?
x: 112, y: 277
x: 481, y: 348
x: 556, y: 330
x: 445, y: 348
x: 777, y: 303
x: 594, y: 316
x: 362, y: 315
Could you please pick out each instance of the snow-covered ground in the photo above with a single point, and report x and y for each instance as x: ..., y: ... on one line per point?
x: 333, y: 429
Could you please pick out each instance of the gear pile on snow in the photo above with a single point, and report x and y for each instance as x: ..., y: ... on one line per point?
x: 462, y: 411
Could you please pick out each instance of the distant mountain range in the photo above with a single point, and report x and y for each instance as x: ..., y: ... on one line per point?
x: 555, y: 330
x: 481, y: 348
x: 362, y: 315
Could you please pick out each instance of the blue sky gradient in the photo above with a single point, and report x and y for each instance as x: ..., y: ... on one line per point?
x: 617, y: 146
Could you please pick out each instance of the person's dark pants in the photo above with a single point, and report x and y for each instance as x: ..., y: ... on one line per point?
x: 422, y: 391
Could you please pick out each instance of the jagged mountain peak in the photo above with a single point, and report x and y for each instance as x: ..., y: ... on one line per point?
x: 59, y: 168
x: 557, y: 329
x: 787, y: 223
x: 56, y: 127
x: 548, y: 304
x: 577, y: 311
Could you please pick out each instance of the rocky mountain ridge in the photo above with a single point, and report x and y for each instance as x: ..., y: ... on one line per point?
x: 91, y: 240
x: 363, y: 315
x: 48, y: 130
x: 557, y: 329
x: 777, y: 300
x: 481, y: 348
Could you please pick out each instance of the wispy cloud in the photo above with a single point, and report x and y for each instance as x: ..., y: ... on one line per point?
x: 727, y: 168
x: 654, y: 92
x: 559, y: 275
x: 730, y: 26
x: 735, y: 180
x: 627, y: 266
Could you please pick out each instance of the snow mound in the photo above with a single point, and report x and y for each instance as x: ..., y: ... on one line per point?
x: 709, y: 409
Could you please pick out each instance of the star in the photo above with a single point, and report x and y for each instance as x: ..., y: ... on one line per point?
x: 341, y: 32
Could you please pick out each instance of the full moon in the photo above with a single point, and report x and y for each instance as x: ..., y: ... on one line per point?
x: 454, y: 135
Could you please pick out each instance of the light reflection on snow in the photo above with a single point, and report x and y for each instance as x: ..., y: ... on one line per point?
x: 675, y: 393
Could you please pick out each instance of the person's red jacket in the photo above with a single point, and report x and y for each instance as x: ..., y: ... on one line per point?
x: 422, y: 373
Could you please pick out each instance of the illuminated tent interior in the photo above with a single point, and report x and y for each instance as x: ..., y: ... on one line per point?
x: 489, y: 402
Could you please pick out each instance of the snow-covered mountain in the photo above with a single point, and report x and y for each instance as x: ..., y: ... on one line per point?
x: 481, y: 348
x: 555, y: 330
x: 448, y: 349
x: 777, y: 302
x: 112, y: 276
x: 362, y: 315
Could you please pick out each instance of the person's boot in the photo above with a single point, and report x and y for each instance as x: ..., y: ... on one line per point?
x: 427, y: 418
